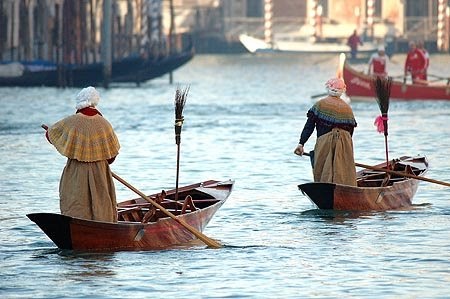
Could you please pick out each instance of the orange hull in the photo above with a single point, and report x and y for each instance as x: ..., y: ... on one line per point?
x: 375, y: 191
x: 132, y: 234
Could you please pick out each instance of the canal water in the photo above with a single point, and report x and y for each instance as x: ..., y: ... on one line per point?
x: 243, y: 118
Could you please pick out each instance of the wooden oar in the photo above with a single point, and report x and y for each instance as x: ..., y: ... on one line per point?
x: 318, y: 95
x: 412, y: 176
x: 208, y: 241
x: 439, y: 78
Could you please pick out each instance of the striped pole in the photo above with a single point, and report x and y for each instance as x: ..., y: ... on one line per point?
x: 370, y: 11
x: 144, y: 26
x: 441, y: 26
x: 268, y: 35
x: 155, y: 13
x: 312, y: 12
x: 319, y: 21
x: 447, y: 29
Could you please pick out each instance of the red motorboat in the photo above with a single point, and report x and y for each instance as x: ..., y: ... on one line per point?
x: 360, y: 88
x: 141, y: 225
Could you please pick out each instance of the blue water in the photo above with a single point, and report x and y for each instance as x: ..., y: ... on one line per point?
x: 243, y: 117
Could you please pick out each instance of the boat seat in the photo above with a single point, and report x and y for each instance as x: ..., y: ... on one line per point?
x: 386, y: 180
x: 188, y: 203
x: 130, y: 214
x: 151, y: 213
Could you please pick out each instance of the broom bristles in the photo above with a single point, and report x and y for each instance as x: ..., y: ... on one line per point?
x: 180, y: 101
x: 382, y: 87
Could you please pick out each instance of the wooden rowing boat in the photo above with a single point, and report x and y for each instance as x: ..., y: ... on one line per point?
x: 141, y: 226
x: 360, y: 88
x: 376, y: 190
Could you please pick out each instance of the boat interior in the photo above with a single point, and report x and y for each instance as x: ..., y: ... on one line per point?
x: 377, y: 178
x: 138, y: 210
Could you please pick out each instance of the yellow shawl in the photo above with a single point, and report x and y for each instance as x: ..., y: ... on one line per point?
x: 84, y: 138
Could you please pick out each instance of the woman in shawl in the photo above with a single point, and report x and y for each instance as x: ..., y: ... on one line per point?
x: 88, y: 141
x: 334, y: 122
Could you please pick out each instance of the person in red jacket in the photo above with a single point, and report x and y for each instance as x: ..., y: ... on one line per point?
x: 378, y: 63
x: 421, y: 47
x: 353, y: 42
x: 416, y: 64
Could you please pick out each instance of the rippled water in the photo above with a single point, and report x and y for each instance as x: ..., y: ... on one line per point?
x: 242, y: 121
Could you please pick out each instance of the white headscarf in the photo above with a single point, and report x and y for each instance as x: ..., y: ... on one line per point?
x: 335, y: 87
x: 87, y: 97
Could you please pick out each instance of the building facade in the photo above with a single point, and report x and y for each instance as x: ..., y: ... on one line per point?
x: 381, y: 20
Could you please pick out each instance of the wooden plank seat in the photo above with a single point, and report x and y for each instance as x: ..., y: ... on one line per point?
x: 146, y: 212
x: 130, y: 214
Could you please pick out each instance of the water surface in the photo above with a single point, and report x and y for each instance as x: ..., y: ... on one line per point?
x: 243, y: 118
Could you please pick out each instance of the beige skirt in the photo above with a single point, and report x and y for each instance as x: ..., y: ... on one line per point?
x: 333, y: 158
x: 86, y: 190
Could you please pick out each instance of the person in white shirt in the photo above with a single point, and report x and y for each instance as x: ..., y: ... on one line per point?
x: 378, y: 63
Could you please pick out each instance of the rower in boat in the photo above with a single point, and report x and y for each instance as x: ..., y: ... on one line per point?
x: 421, y: 47
x: 334, y: 122
x: 90, y: 144
x: 416, y: 64
x: 378, y: 63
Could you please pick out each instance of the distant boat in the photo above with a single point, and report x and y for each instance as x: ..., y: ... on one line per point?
x: 294, y: 43
x: 360, y: 88
x: 152, y: 68
x: 133, y: 69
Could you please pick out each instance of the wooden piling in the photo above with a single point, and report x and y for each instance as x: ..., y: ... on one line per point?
x: 106, y: 43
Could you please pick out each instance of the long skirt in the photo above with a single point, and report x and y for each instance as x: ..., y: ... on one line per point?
x: 86, y: 190
x: 333, y: 158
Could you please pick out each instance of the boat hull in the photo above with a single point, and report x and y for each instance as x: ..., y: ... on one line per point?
x: 87, y: 235
x: 133, y: 69
x: 291, y: 44
x: 360, y: 88
x: 397, y: 195
x: 347, y: 198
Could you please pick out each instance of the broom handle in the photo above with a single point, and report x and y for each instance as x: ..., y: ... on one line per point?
x: 385, y: 124
x: 387, y: 152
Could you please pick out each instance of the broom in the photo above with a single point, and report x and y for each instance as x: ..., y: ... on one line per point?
x: 382, y: 88
x: 180, y: 101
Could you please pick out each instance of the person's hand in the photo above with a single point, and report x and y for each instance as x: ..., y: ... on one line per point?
x: 299, y: 150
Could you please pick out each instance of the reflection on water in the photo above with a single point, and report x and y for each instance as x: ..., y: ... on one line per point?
x: 337, y: 216
x: 88, y: 265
